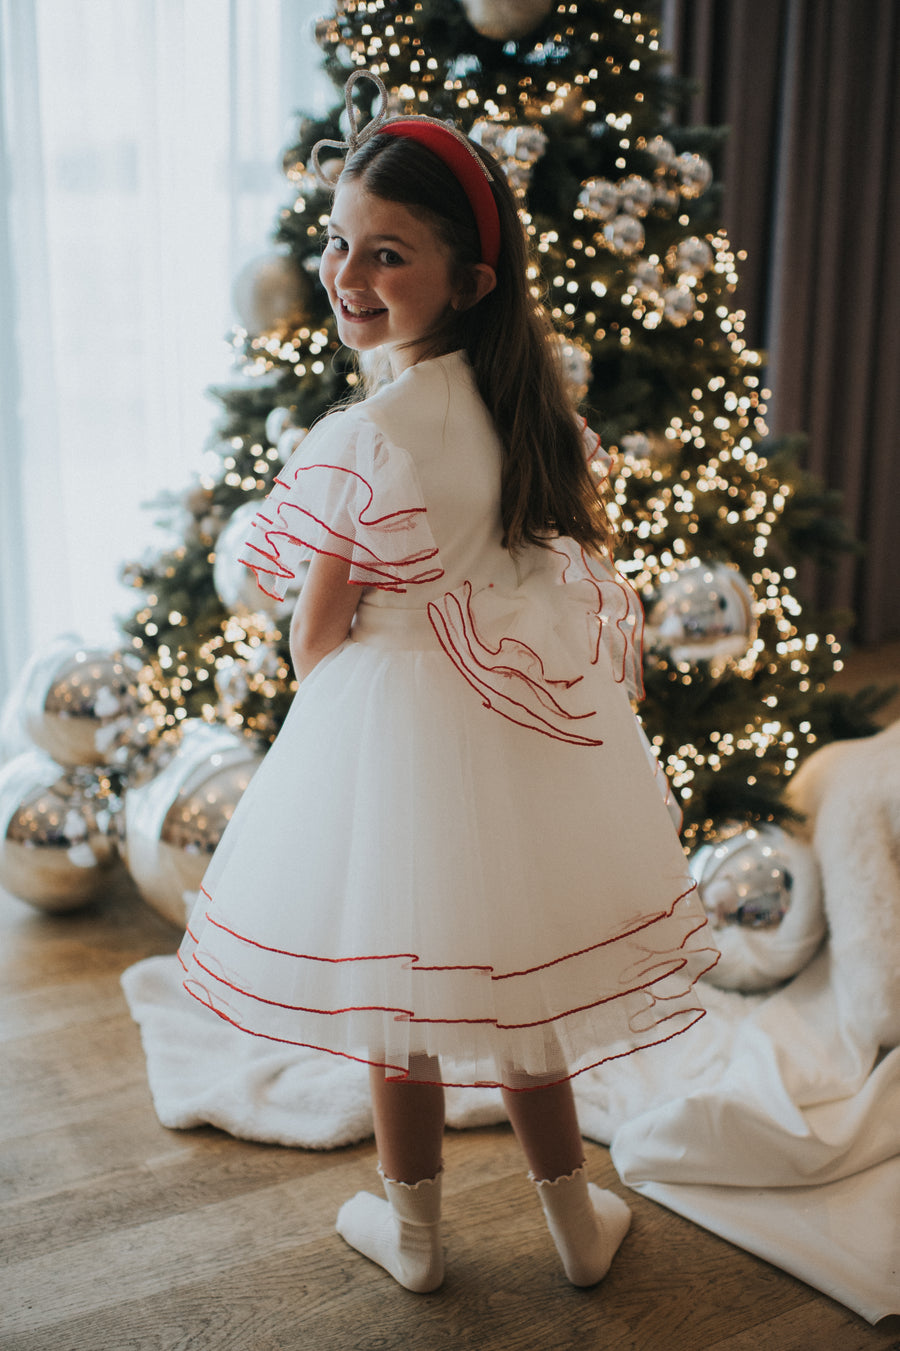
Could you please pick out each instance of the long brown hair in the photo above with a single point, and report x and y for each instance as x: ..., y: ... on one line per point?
x: 546, y: 486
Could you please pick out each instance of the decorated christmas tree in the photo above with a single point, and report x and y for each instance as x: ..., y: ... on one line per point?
x: 621, y: 208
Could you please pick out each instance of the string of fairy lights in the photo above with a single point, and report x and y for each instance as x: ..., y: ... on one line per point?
x: 628, y: 267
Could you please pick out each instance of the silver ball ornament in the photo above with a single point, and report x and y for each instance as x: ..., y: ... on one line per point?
x: 80, y: 704
x: 599, y: 198
x: 506, y: 20
x: 270, y: 293
x: 235, y: 584
x: 625, y: 235
x: 490, y: 136
x: 692, y: 257
x: 635, y: 195
x: 174, y: 822
x: 525, y: 143
x: 276, y: 421
x: 647, y: 280
x: 662, y: 150
x: 236, y: 678
x: 518, y: 175
x: 762, y: 892
x: 643, y: 449
x: 288, y: 442
x: 678, y: 305
x: 701, y: 612
x: 635, y: 446
x: 694, y: 174
x: 57, y: 832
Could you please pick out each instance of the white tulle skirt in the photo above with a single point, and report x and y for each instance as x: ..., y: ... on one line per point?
x: 410, y: 874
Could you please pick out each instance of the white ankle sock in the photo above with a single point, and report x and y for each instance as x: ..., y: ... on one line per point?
x: 587, y: 1224
x: 401, y: 1234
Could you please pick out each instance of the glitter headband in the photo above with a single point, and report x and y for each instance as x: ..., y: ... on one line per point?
x: 442, y: 140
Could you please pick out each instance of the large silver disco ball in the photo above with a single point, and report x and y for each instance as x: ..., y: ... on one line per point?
x: 174, y: 822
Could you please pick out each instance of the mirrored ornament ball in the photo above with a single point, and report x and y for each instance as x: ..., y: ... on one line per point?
x: 761, y: 889
x: 236, y: 679
x: 701, y: 611
x: 678, y: 305
x: 635, y: 195
x: 662, y: 150
x: 276, y: 421
x: 624, y: 234
x: 692, y: 257
x: 635, y: 446
x: 271, y: 293
x: 81, y: 704
x: 235, y: 584
x: 694, y: 174
x: 648, y: 280
x: 58, y: 832
x: 525, y: 143
x: 506, y: 20
x: 643, y: 449
x: 174, y: 822
x: 490, y: 136
x: 289, y: 440
x: 599, y: 198
x: 518, y: 175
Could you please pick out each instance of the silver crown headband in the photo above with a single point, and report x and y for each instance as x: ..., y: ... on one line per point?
x: 358, y: 135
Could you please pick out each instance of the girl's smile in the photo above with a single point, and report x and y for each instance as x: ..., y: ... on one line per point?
x: 388, y: 276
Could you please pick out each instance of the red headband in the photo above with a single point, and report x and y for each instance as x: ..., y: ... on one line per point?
x: 467, y: 168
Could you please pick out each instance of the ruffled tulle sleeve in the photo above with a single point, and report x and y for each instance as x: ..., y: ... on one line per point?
x: 530, y: 651
x: 349, y: 493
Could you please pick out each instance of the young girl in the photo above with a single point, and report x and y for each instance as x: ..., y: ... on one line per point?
x: 455, y: 863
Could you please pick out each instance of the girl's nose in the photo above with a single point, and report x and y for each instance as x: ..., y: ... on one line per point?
x: 351, y: 273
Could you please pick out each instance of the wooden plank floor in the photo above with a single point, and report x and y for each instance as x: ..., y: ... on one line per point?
x: 119, y: 1235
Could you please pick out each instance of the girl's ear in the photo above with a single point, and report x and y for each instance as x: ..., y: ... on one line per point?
x: 479, y: 281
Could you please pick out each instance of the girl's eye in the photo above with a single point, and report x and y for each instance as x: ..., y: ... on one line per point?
x: 390, y: 257
x: 337, y: 243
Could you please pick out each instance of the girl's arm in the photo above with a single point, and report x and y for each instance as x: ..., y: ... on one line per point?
x: 323, y: 613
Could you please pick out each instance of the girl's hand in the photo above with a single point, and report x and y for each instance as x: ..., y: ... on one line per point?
x: 323, y: 613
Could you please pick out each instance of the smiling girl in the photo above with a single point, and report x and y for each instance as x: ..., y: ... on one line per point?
x: 455, y: 864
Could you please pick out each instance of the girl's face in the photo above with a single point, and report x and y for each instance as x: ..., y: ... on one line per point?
x: 388, y: 276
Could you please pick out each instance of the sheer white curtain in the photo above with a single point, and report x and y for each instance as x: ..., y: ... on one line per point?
x: 140, y: 150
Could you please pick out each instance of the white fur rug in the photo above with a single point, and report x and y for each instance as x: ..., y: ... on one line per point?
x: 773, y: 1122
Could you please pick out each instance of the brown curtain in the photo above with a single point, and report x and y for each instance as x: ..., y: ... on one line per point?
x: 811, y: 172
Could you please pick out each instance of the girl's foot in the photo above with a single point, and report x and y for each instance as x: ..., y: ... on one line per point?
x: 401, y: 1234
x: 587, y: 1224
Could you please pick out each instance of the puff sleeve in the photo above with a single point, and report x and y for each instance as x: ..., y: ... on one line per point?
x: 350, y: 493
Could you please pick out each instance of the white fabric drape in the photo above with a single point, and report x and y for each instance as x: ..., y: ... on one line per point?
x: 140, y: 149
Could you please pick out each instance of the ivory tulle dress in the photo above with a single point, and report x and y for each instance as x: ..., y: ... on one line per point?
x: 458, y: 845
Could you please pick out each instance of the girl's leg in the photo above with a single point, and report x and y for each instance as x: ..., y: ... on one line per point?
x: 546, y: 1125
x: 403, y: 1234
x: 409, y: 1121
x: 587, y: 1224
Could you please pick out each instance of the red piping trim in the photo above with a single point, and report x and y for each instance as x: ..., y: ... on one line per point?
x: 408, y: 1015
x: 413, y: 958
x: 402, y: 1076
x: 482, y: 687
